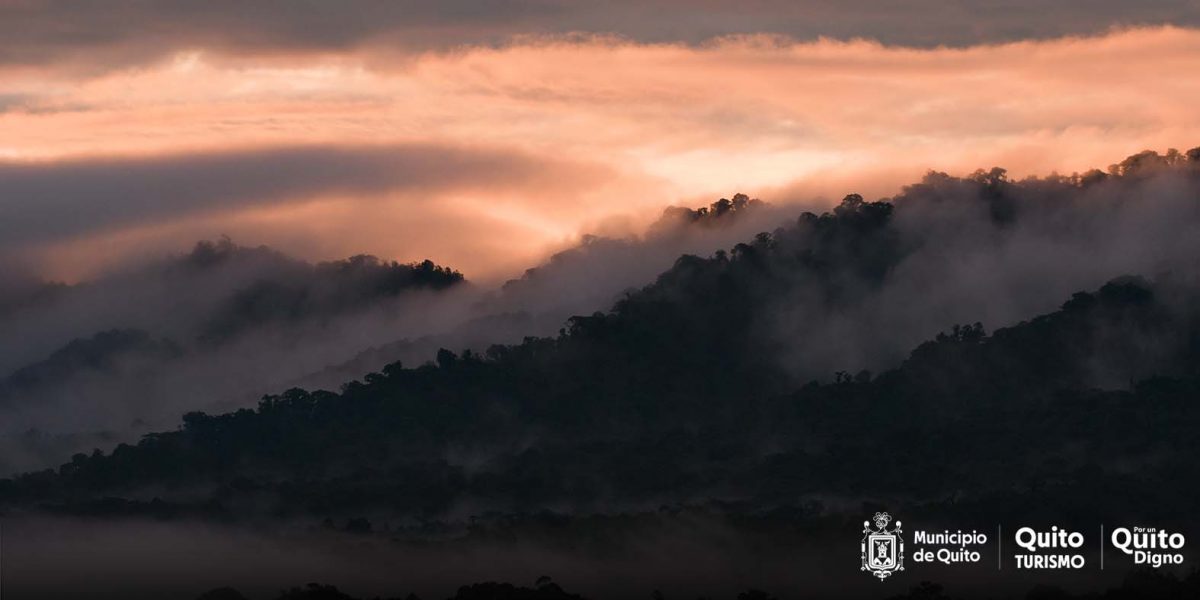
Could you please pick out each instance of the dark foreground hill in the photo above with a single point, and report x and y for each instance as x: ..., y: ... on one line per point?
x: 676, y: 396
x: 594, y: 421
x: 1147, y: 585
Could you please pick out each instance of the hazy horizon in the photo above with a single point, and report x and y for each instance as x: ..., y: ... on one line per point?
x: 511, y: 131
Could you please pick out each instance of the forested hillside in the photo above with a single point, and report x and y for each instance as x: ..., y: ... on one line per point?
x: 681, y: 394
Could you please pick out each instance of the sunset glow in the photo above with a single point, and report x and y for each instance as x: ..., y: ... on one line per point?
x: 605, y: 128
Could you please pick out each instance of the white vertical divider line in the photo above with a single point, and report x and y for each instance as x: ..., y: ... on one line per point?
x: 999, y: 549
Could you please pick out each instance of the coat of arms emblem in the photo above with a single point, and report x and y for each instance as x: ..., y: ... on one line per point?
x: 882, y: 549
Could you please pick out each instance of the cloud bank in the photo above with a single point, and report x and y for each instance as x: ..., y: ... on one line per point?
x: 106, y: 34
x: 487, y: 157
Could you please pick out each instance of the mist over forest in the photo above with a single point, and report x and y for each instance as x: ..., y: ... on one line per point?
x: 561, y: 300
x: 745, y: 374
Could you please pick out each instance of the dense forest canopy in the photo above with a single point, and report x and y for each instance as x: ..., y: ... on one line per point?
x: 677, y: 394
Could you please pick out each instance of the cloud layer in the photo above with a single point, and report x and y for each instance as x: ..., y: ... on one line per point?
x: 99, y: 35
x: 487, y: 157
x: 63, y: 198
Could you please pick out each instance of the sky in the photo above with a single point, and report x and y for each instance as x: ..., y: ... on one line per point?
x: 485, y: 135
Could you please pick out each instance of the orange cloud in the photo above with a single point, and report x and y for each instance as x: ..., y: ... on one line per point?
x: 667, y: 122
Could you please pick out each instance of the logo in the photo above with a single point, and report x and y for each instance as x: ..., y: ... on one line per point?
x: 882, y: 550
x: 1064, y: 549
x: 1149, y: 545
x: 955, y: 547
